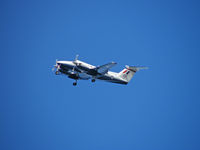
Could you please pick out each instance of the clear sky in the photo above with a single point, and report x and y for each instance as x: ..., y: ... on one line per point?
x: 157, y: 110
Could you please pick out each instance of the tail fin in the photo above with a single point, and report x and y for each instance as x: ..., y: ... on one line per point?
x: 127, y: 73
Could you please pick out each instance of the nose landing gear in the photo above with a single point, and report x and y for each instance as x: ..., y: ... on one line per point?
x: 57, y: 72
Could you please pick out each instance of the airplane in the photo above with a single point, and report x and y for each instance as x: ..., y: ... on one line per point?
x: 79, y: 70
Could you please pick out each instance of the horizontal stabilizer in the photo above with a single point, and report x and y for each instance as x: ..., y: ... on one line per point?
x: 136, y: 68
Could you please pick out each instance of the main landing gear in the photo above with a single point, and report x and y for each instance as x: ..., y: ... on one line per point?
x: 75, y: 83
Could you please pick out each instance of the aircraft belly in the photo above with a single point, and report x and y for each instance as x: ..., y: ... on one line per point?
x: 113, y: 80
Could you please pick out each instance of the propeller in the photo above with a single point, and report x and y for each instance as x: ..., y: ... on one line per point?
x: 56, y: 66
x: 76, y: 58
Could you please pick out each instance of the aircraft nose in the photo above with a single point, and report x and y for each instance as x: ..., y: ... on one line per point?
x: 58, y: 62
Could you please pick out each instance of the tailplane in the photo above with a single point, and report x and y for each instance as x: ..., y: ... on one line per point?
x: 128, y: 73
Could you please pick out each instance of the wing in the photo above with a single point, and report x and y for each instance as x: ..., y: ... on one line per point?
x: 104, y: 68
x: 84, y: 76
x: 76, y: 75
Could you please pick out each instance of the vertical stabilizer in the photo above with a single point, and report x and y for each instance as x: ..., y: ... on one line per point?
x: 128, y: 73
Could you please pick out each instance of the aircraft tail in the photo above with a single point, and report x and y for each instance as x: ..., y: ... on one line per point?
x: 128, y: 73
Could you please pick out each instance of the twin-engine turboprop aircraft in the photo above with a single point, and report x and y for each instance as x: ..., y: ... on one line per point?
x: 79, y: 70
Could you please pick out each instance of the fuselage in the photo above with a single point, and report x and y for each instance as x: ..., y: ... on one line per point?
x: 89, y: 70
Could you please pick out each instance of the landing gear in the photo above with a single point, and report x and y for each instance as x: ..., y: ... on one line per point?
x: 74, y: 83
x: 57, y: 72
x: 93, y: 80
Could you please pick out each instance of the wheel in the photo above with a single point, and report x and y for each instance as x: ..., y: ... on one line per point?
x: 74, y: 84
x: 93, y: 80
x: 57, y: 72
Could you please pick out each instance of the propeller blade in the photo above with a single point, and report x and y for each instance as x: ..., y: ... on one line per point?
x: 73, y: 68
x: 53, y: 69
x: 58, y: 67
x: 55, y: 66
x: 76, y: 58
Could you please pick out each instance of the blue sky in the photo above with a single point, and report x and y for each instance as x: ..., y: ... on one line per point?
x: 157, y: 110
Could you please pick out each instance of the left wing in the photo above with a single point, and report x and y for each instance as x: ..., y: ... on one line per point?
x: 104, y: 68
x: 84, y: 76
x: 76, y: 75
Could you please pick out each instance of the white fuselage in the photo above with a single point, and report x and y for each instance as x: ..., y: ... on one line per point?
x: 87, y: 71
